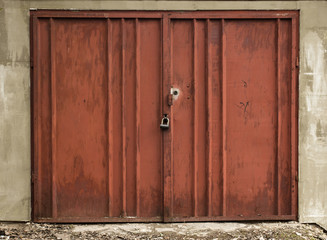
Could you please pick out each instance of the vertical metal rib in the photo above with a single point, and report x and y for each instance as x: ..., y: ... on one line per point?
x: 279, y: 118
x: 294, y: 125
x: 137, y: 112
x: 195, y: 119
x: 167, y: 137
x: 37, y: 114
x: 224, y: 113
x: 123, y: 116
x: 170, y: 136
x: 53, y: 119
x: 110, y: 117
x: 209, y: 113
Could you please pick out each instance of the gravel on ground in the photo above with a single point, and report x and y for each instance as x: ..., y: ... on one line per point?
x: 214, y: 231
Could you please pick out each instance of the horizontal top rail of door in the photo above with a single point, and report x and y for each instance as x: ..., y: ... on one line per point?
x: 238, y: 14
x: 95, y: 14
x: 244, y: 14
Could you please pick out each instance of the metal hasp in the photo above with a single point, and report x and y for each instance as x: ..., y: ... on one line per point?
x: 164, y: 122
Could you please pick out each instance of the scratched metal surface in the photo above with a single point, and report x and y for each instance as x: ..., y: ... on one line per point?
x: 101, y: 81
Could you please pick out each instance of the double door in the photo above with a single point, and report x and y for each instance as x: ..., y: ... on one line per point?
x: 223, y: 87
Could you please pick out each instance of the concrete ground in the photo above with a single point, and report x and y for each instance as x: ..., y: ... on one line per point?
x: 260, y: 231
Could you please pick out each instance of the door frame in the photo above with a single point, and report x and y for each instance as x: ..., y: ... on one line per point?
x: 166, y: 17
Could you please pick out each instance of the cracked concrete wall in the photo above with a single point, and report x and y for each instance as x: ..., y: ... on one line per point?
x: 15, y: 141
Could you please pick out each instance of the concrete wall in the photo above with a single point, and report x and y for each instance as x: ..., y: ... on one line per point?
x: 15, y: 95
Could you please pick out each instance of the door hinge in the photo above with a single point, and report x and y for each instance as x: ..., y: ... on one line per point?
x: 297, y: 62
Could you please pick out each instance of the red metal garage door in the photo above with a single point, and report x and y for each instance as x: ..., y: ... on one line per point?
x: 102, y: 82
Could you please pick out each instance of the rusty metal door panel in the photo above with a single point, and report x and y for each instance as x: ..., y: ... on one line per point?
x: 182, y: 116
x: 98, y: 149
x: 251, y: 119
x: 197, y: 118
x: 78, y: 132
x: 150, y: 184
x: 232, y: 118
x: 102, y: 81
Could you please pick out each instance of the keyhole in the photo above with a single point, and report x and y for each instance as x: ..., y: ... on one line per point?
x: 175, y: 92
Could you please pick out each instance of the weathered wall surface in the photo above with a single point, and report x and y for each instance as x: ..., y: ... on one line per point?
x: 313, y: 114
x: 14, y: 114
x: 15, y: 95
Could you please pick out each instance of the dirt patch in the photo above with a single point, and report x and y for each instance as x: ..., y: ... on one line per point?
x: 229, y: 231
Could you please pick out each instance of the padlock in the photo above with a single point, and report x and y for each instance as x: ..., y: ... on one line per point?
x: 164, y: 122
